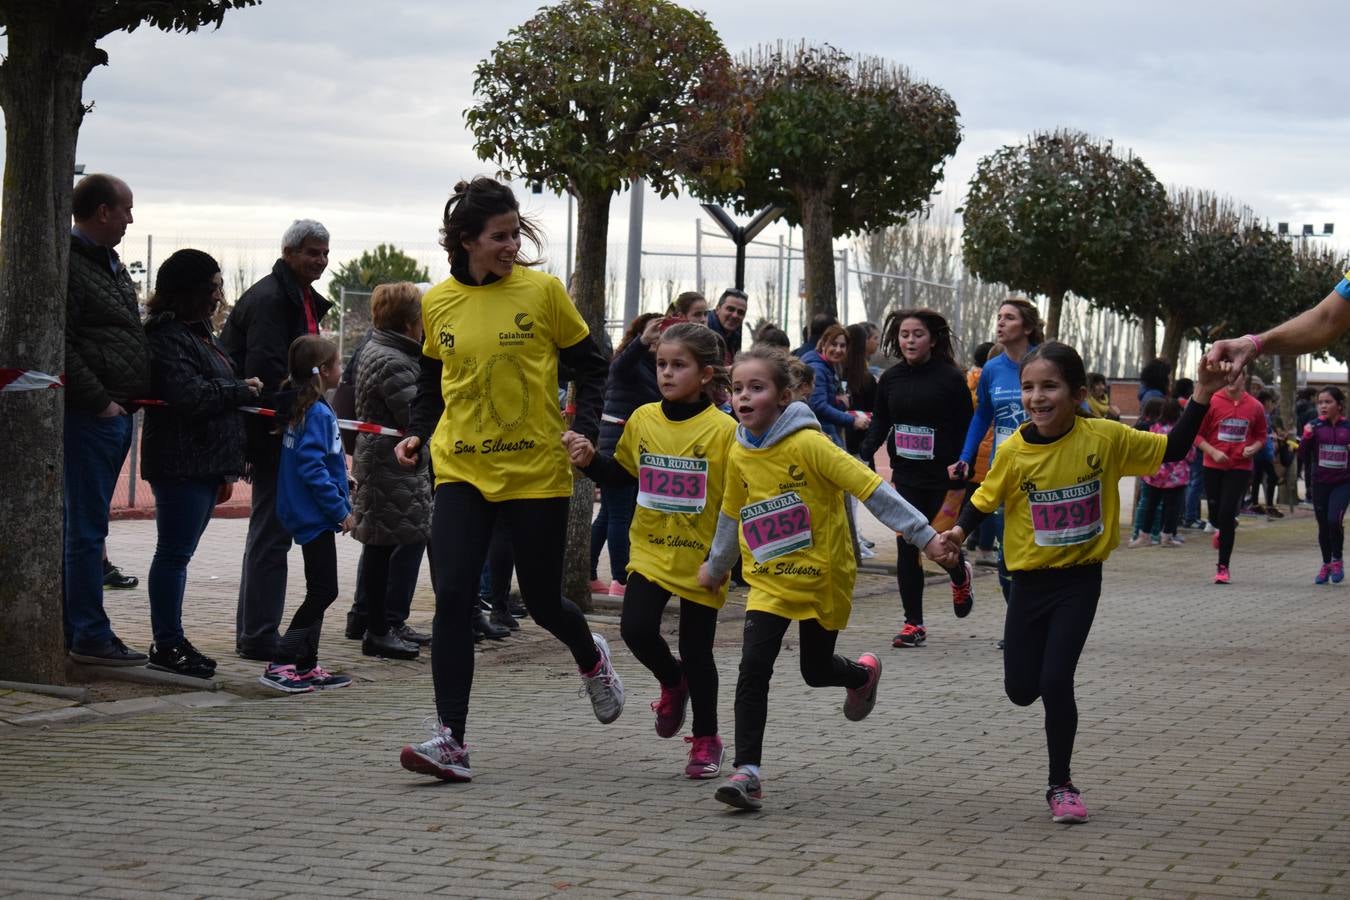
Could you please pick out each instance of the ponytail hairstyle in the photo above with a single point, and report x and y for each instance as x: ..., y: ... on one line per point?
x: 1031, y: 317
x: 467, y: 213
x: 1062, y: 357
x: 708, y: 350
x: 308, y: 354
x: 803, y: 377
x: 938, y: 330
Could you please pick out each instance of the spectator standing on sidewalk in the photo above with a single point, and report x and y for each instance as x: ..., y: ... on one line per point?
x: 727, y: 318
x: 192, y: 451
x: 107, y: 366
x: 392, y: 504
x: 268, y: 317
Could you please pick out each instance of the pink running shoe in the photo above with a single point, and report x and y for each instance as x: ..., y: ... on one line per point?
x: 1214, y: 541
x: 1066, y: 804
x: 858, y: 702
x: 598, y: 587
x: 1221, y: 575
x: 1337, y: 571
x: 705, y: 757
x: 670, y: 709
x: 1323, y: 574
x: 442, y: 757
x: 616, y: 588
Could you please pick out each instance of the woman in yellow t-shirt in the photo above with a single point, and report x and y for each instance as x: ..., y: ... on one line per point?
x: 784, y: 494
x: 1057, y: 478
x: 674, y: 455
x: 487, y: 402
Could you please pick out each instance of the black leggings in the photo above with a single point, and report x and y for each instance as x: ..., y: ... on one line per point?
x: 1263, y: 475
x: 1225, y: 489
x: 1050, y: 612
x: 461, y: 527
x: 1329, y: 503
x: 821, y: 667
x: 1170, y: 499
x: 643, y: 604
x: 909, y: 558
x: 321, y: 585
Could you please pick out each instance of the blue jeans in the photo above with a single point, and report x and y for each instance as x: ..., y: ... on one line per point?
x: 182, y: 512
x: 95, y: 449
x: 1195, y: 489
x: 611, y: 524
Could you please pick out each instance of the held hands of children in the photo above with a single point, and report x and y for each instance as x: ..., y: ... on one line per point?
x: 579, y: 449
x: 348, y: 523
x: 707, y: 581
x: 953, y: 537
x: 943, y: 552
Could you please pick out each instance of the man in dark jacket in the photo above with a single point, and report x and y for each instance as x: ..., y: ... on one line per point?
x: 727, y: 317
x: 107, y: 366
x: 258, y: 335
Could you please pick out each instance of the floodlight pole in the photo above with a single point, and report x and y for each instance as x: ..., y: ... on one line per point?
x: 742, y: 235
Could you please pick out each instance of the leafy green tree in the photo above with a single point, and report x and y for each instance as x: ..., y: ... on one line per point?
x: 591, y: 94
x: 1059, y: 213
x: 585, y: 97
x: 1316, y: 268
x: 51, y: 48
x: 844, y: 146
x: 385, y: 264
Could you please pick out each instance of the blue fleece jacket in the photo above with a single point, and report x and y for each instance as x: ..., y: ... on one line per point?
x: 312, y: 481
x: 831, y: 415
x: 998, y: 401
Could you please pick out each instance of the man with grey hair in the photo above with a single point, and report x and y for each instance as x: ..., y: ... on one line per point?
x: 258, y: 335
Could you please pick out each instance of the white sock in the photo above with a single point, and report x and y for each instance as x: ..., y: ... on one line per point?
x: 753, y: 770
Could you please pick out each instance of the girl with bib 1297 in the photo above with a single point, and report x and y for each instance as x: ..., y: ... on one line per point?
x: 785, y: 497
x: 495, y: 332
x: 1058, y: 480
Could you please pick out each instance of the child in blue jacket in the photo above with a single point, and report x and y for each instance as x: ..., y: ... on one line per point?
x: 312, y: 504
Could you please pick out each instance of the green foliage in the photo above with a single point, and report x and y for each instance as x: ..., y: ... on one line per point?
x: 1062, y: 212
x: 862, y: 133
x: 590, y: 94
x: 385, y: 264
x: 106, y: 16
x: 1316, y: 268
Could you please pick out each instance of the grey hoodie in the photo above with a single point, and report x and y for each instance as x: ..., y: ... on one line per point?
x: 885, y: 503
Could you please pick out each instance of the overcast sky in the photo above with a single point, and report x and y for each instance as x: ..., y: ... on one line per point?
x: 352, y: 112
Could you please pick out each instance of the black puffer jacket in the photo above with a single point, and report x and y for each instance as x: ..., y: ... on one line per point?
x: 257, y: 336
x: 392, y: 504
x: 632, y: 383
x: 200, y: 434
x: 107, y: 356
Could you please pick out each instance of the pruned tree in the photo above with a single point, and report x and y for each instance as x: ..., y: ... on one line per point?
x: 52, y: 48
x: 843, y: 145
x: 1059, y: 213
x: 585, y: 97
x: 1316, y: 268
x: 591, y: 94
x: 386, y: 264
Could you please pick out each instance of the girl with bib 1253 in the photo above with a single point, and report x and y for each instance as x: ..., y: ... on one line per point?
x: 1058, y: 480
x: 784, y: 499
x: 674, y: 455
x: 495, y: 332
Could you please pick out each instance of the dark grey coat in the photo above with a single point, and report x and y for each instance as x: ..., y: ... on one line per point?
x: 393, y: 504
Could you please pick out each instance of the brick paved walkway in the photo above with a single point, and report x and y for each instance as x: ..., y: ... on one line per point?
x: 1212, y: 750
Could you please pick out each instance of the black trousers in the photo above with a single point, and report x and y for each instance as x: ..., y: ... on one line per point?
x: 1169, y: 499
x: 1224, y: 489
x: 643, y: 604
x: 909, y: 559
x: 1050, y: 612
x: 462, y: 522
x: 821, y: 667
x: 1263, y: 476
x: 1329, y: 503
x: 404, y: 568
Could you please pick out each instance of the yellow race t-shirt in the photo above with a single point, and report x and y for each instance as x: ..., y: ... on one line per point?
x: 795, y: 540
x: 680, y: 468
x: 1062, y: 499
x: 498, y: 345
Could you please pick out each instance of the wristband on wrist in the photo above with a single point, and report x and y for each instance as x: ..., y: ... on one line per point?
x: 1256, y: 342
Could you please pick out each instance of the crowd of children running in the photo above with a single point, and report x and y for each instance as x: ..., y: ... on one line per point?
x: 716, y: 461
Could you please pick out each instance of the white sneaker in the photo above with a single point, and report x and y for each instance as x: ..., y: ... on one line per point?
x: 866, y: 552
x: 604, y: 686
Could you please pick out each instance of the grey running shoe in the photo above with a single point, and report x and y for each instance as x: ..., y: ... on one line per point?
x: 742, y: 790
x: 603, y: 685
x: 442, y: 756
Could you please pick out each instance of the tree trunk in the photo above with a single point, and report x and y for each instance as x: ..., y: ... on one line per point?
x: 1148, y: 341
x: 1053, y: 314
x: 588, y: 292
x: 1174, y: 335
x: 818, y: 254
x: 1288, y: 371
x: 40, y: 108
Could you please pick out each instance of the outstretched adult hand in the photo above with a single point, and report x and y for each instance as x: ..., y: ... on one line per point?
x: 1231, y: 356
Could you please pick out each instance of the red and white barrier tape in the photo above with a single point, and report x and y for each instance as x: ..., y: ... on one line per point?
x: 28, y: 380
x: 344, y: 424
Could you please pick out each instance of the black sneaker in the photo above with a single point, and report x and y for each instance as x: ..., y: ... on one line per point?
x: 181, y: 659
x: 111, y: 652
x: 515, y: 606
x: 198, y: 655
x: 356, y: 626
x: 113, y: 578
